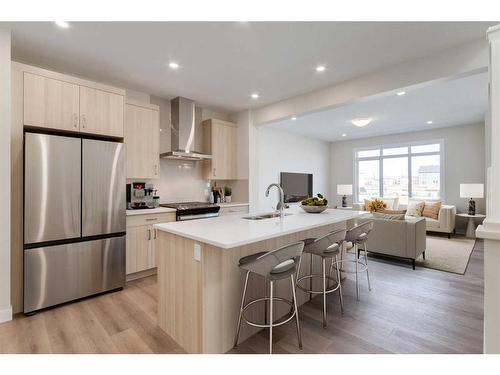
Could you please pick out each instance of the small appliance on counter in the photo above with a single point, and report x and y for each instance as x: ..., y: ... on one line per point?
x: 140, y: 196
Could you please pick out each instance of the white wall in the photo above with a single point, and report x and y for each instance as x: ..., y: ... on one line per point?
x: 280, y: 151
x: 5, y: 305
x: 464, y: 159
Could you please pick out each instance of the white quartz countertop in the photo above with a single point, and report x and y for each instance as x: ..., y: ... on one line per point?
x: 150, y: 211
x: 233, y: 204
x: 233, y: 230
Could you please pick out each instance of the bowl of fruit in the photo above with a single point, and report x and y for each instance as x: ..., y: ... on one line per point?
x: 314, y: 205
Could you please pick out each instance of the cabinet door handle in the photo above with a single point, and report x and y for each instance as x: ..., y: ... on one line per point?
x: 154, y: 232
x: 149, y: 234
x: 75, y: 120
x: 156, y: 169
x: 84, y: 121
x: 214, y: 172
x: 152, y: 219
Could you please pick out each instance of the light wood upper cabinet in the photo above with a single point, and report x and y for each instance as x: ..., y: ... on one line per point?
x: 142, y: 137
x: 101, y: 112
x: 50, y: 103
x: 219, y: 140
x: 58, y: 101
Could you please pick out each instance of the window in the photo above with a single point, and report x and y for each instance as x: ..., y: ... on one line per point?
x: 406, y: 171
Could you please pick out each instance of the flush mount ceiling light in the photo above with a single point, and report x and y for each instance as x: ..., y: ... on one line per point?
x: 320, y: 68
x: 173, y: 65
x: 62, y: 24
x: 254, y: 96
x: 344, y: 135
x: 401, y: 93
x: 429, y: 122
x: 293, y: 118
x: 360, y: 122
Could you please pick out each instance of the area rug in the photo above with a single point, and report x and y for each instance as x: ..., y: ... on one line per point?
x: 451, y: 255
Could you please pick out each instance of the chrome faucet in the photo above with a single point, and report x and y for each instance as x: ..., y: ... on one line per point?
x: 281, y: 204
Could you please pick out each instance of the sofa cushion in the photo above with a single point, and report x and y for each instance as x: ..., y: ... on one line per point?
x: 431, y: 209
x: 415, y: 208
x: 393, y: 212
x: 380, y: 215
x: 431, y: 223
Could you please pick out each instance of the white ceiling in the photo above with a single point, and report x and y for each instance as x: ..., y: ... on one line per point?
x: 445, y: 103
x: 223, y: 63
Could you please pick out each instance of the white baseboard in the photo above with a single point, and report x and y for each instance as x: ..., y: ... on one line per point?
x: 6, y: 314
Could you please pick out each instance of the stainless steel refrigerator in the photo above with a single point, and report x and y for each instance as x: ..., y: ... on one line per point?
x: 74, y: 218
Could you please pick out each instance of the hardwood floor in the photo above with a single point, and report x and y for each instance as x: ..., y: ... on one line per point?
x: 119, y: 322
x: 421, y: 311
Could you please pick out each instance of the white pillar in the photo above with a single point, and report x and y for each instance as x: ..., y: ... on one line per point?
x: 5, y: 125
x: 490, y: 230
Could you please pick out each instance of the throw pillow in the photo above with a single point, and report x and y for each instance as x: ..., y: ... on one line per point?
x: 415, y: 208
x: 381, y: 215
x: 431, y: 209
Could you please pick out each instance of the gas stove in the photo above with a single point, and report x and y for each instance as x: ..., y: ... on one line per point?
x: 193, y: 210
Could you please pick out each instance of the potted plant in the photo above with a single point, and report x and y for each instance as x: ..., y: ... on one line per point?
x: 227, y: 194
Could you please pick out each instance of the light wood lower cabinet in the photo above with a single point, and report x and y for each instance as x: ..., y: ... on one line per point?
x: 141, y: 240
x: 51, y: 103
x: 101, y: 112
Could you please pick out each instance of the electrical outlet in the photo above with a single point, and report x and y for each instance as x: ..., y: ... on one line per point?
x: 197, y: 252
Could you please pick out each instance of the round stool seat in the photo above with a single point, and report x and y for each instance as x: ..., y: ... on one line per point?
x: 319, y: 250
x: 251, y: 258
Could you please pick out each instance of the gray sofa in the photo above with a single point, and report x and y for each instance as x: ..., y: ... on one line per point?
x: 398, y: 238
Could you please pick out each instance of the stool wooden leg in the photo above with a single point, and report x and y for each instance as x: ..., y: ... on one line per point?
x: 340, y: 288
x: 241, y: 309
x: 265, y: 302
x: 271, y: 321
x: 299, y: 336
x: 324, y: 291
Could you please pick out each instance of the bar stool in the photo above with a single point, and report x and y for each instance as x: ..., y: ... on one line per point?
x: 273, y: 265
x: 326, y: 247
x: 358, y: 236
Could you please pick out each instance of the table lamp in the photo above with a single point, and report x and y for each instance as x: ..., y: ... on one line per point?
x: 471, y: 191
x: 344, y: 190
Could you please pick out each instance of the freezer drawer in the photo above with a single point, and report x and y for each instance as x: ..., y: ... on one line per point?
x: 103, y: 187
x: 57, y: 274
x: 52, y: 179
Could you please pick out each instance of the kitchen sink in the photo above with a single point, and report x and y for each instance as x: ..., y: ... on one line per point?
x: 264, y: 216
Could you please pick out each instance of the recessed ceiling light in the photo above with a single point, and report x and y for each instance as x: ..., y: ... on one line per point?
x: 401, y: 93
x: 320, y: 68
x: 429, y: 122
x: 360, y: 122
x: 62, y: 24
x: 173, y: 65
x: 293, y: 118
x: 254, y: 96
x: 344, y: 135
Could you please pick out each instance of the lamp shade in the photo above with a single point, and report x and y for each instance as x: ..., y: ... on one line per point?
x: 471, y: 191
x: 344, y: 189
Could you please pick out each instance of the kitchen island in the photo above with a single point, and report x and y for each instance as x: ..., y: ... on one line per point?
x: 200, y: 283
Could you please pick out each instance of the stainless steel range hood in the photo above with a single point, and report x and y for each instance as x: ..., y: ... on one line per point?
x: 183, y: 132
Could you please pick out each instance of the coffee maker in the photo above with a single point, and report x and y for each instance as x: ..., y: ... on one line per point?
x: 140, y: 196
